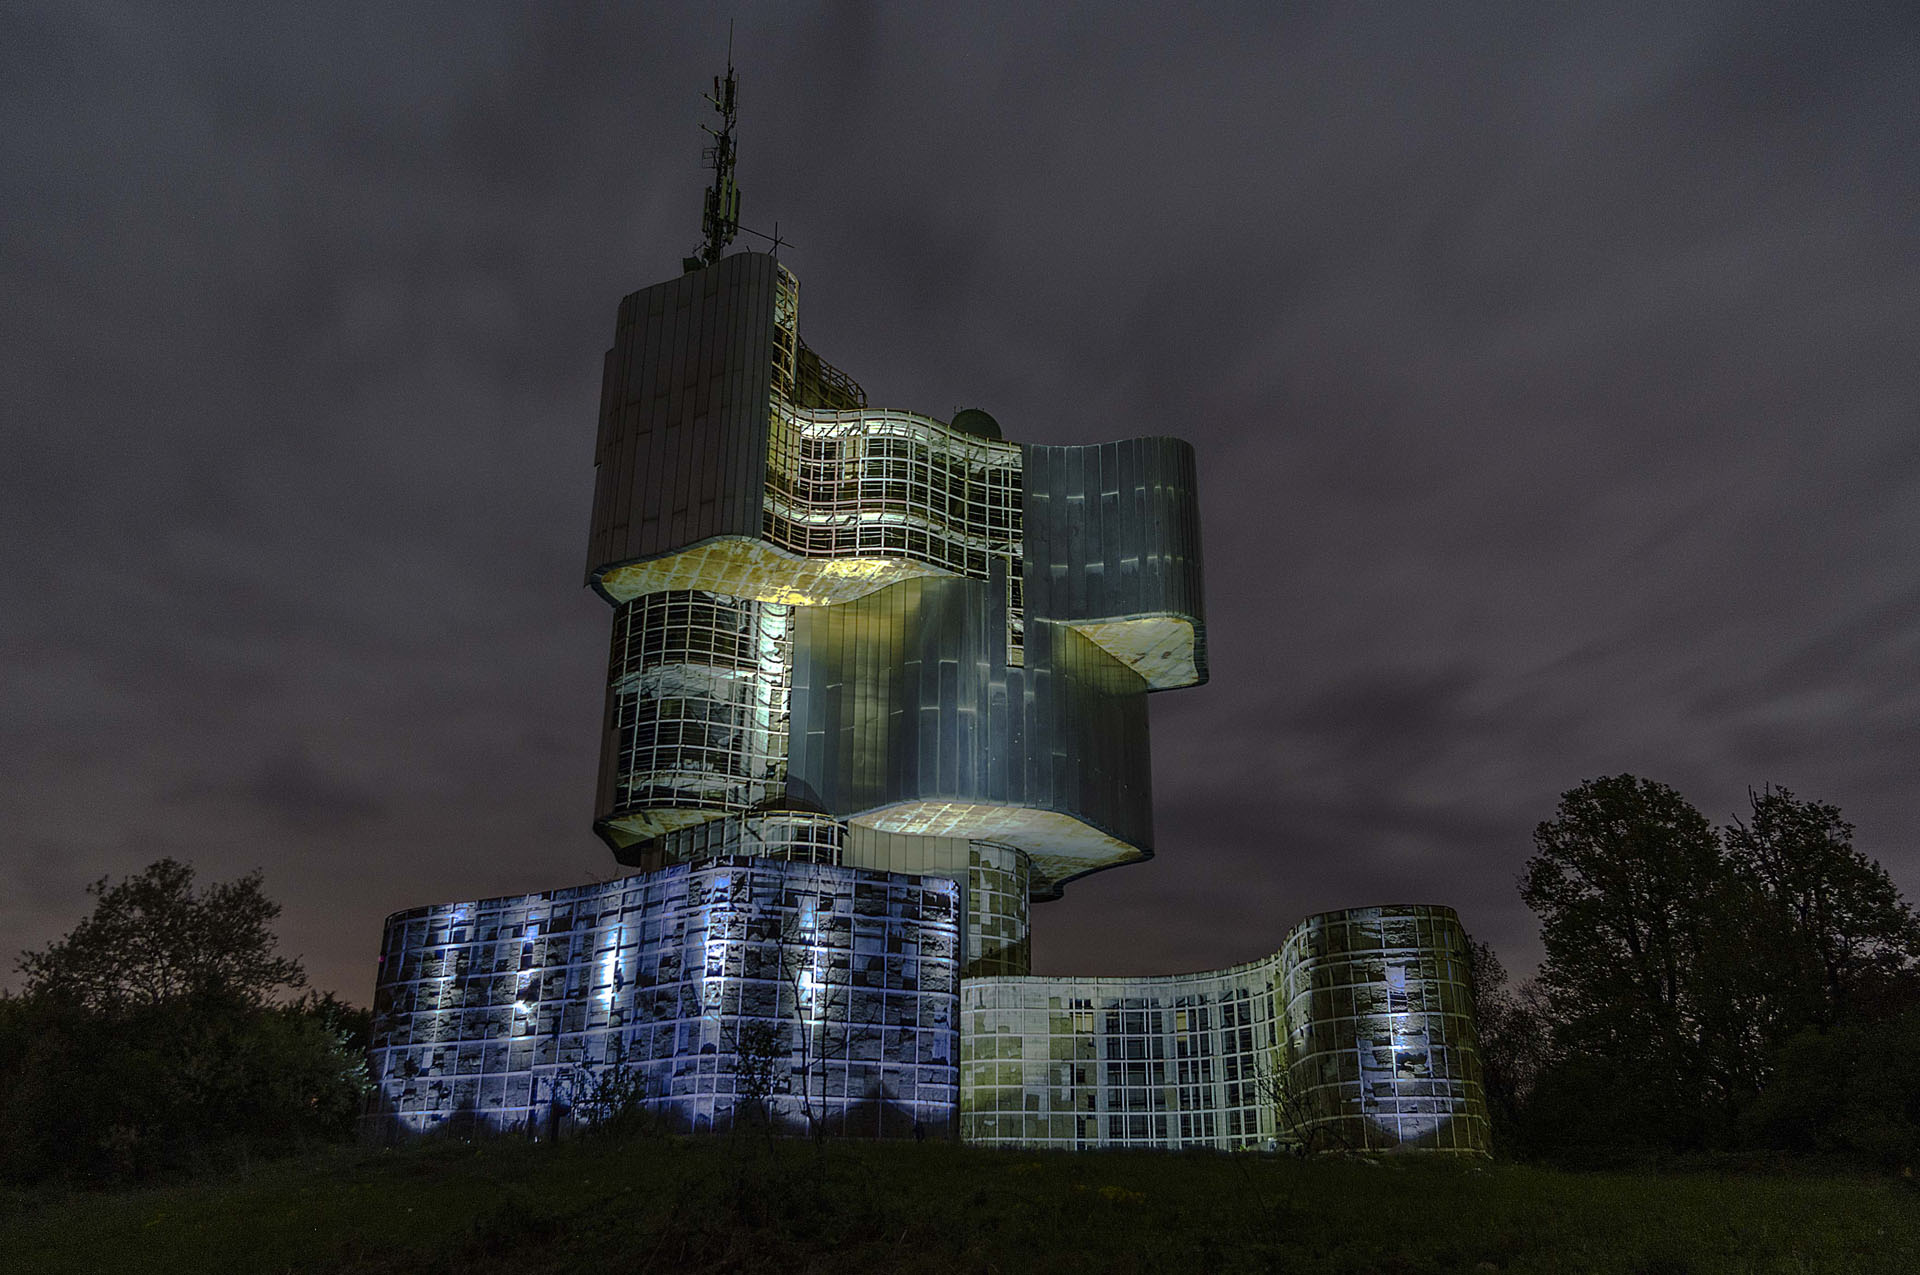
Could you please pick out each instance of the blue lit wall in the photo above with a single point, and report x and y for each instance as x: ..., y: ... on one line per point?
x: 494, y: 1014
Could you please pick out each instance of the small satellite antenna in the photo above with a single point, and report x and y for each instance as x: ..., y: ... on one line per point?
x: 721, y: 219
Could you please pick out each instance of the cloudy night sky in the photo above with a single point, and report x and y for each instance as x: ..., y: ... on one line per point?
x: 1553, y: 378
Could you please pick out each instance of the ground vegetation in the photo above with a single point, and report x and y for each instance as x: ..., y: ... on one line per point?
x: 1749, y: 988
x: 165, y: 1034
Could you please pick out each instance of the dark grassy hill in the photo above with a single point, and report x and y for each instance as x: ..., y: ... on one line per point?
x: 664, y: 1205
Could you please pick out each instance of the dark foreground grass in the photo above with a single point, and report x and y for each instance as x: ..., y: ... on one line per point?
x: 670, y: 1205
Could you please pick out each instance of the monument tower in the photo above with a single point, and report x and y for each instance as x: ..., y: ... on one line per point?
x: 877, y: 685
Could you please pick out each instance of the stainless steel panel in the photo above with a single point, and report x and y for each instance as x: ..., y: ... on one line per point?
x: 1113, y: 530
x: 682, y: 445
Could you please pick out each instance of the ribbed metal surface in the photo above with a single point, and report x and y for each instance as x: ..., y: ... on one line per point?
x: 906, y: 695
x: 1112, y: 531
x: 682, y: 449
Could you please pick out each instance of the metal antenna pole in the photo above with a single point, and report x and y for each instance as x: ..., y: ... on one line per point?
x: 721, y: 218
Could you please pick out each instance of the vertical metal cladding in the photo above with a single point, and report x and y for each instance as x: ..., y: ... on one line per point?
x: 500, y: 1014
x: 1113, y: 532
x: 907, y: 695
x: 1382, y: 1051
x: 682, y: 446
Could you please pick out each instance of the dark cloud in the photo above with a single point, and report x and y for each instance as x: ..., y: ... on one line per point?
x: 289, y: 787
x: 1550, y: 374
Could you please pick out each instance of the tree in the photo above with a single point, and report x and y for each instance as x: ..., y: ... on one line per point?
x: 610, y: 1100
x: 1845, y: 1092
x: 810, y: 1003
x: 1848, y: 936
x: 153, y: 938
x: 1304, y: 1123
x: 1630, y: 884
x: 155, y: 1037
x: 760, y: 1053
x: 1512, y: 1027
x: 1692, y: 982
x: 829, y: 1017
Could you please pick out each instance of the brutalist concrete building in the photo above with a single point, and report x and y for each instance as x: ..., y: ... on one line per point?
x: 877, y: 686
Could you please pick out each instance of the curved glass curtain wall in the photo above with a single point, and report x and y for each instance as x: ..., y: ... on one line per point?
x: 700, y: 688
x: 1075, y: 1063
x: 1382, y: 1048
x: 496, y: 1014
x: 792, y: 836
x: 845, y: 481
x: 854, y: 484
x: 890, y: 485
x: 999, y: 882
x: 1357, y: 1035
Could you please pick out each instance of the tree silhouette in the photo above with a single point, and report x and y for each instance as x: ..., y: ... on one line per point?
x: 1630, y: 884
x: 157, y: 1036
x: 153, y: 938
x: 1846, y: 933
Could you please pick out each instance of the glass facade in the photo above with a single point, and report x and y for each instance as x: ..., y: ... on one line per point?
x: 493, y: 1014
x: 698, y: 684
x: 877, y: 684
x: 795, y: 835
x: 999, y: 884
x: 1356, y: 1035
x: 1382, y: 1051
x: 891, y: 484
x: 1076, y: 1063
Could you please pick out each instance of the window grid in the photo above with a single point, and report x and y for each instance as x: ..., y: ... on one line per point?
x: 1357, y: 1034
x: 877, y: 484
x: 792, y: 836
x: 483, y: 1011
x: 701, y: 685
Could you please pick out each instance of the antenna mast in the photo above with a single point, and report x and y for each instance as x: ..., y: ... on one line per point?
x: 721, y: 220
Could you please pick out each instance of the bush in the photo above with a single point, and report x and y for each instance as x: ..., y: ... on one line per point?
x: 155, y: 1037
x: 180, y: 1086
x: 1850, y: 1092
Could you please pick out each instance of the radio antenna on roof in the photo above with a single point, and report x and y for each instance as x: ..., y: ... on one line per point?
x: 721, y: 219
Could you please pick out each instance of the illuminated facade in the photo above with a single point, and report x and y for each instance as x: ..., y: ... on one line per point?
x: 903, y: 623
x: 1356, y: 1035
x: 878, y: 684
x: 499, y: 1014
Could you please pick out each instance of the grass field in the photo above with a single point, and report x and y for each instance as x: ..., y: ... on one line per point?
x: 670, y: 1205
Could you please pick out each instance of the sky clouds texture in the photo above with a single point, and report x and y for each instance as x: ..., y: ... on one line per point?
x: 1552, y: 375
